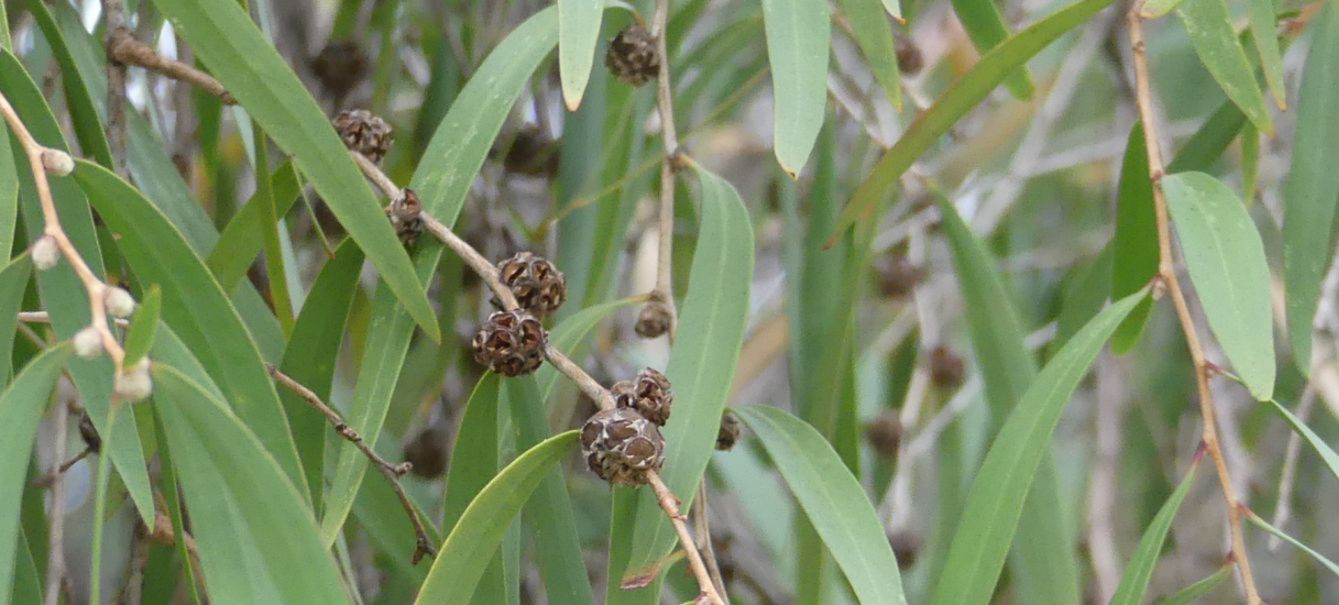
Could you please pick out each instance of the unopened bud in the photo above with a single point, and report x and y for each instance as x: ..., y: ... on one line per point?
x: 88, y: 343
x: 45, y: 253
x: 134, y: 384
x: 119, y: 302
x: 57, y: 162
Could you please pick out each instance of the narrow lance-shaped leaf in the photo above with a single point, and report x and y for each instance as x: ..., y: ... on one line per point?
x: 443, y: 179
x: 1315, y: 441
x: 1226, y: 262
x: 251, y: 523
x: 9, y: 194
x: 193, y: 305
x: 985, y: 26
x: 1136, y: 242
x: 871, y: 31
x: 21, y: 407
x: 965, y: 92
x: 1264, y: 33
x: 701, y: 367
x: 470, y: 546
x: 834, y: 502
x: 578, y: 33
x: 13, y: 284
x: 1322, y: 559
x: 144, y: 326
x: 1215, y: 40
x: 1134, y: 582
x: 83, y: 110
x: 1194, y: 592
x: 224, y: 37
x: 995, y: 500
x: 797, y: 48
x: 1312, y: 191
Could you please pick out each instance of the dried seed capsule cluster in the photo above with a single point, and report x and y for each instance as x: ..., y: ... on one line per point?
x: 510, y: 343
x: 649, y: 394
x: 538, y: 286
x: 632, y: 56
x: 365, y: 133
x: 621, y: 446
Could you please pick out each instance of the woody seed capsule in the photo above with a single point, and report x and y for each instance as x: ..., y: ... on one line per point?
x: 649, y: 394
x: 510, y: 343
x: 538, y: 286
x: 620, y: 446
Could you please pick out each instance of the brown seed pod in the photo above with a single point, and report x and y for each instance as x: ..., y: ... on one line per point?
x: 909, y: 58
x: 649, y: 394
x: 340, y: 66
x: 947, y: 371
x: 654, y: 320
x: 728, y: 434
x: 898, y: 277
x: 632, y: 56
x: 427, y: 453
x: 885, y: 433
x: 406, y: 216
x: 510, y: 343
x: 532, y: 153
x: 538, y: 286
x: 365, y: 133
x: 89, y: 433
x: 621, y: 446
x: 906, y: 545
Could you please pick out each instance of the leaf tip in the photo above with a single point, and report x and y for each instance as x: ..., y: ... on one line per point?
x: 637, y: 581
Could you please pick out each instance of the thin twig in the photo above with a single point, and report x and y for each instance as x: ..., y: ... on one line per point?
x: 113, y: 15
x: 123, y: 47
x: 702, y: 526
x: 423, y: 543
x: 664, y: 292
x: 96, y: 288
x: 42, y: 317
x: 1167, y: 276
x: 670, y: 505
x: 55, y: 570
x: 49, y: 479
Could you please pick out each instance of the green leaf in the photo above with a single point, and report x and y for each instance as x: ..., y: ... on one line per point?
x: 1193, y: 593
x: 257, y: 540
x: 313, y: 349
x: 1334, y: 569
x: 474, y: 460
x: 1226, y: 262
x: 1313, y: 186
x: 241, y: 240
x: 985, y: 26
x: 470, y: 546
x: 701, y: 368
x: 1136, y: 241
x: 144, y: 326
x: 443, y: 179
x: 62, y: 293
x: 9, y: 194
x: 193, y: 305
x: 1007, y: 368
x: 965, y: 92
x: 797, y: 48
x: 1209, y: 26
x: 870, y: 29
x: 21, y: 407
x: 894, y: 8
x: 833, y: 500
x: 224, y: 38
x: 1134, y: 582
x: 1203, y: 148
x: 549, y: 519
x: 995, y: 501
x: 1315, y: 441
x: 1153, y: 9
x: 578, y: 33
x: 13, y: 283
x: 1264, y: 32
x: 78, y: 93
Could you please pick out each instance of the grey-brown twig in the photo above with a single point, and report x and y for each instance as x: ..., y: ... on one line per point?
x: 664, y: 290
x: 1168, y: 277
x: 123, y: 47
x: 423, y: 543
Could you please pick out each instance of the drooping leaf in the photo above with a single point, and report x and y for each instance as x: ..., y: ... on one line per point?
x: 474, y: 456
x: 144, y: 326
x: 258, y: 542
x: 1315, y: 441
x: 83, y: 110
x: 797, y: 48
x: 443, y: 179
x: 1209, y: 26
x: 1264, y: 33
x: 1313, y: 186
x: 701, y: 368
x: 13, y: 283
x: 1193, y: 593
x: 9, y: 194
x: 995, y: 501
x: 224, y: 38
x: 1203, y: 148
x: 985, y: 27
x: 578, y: 33
x: 965, y: 92
x: 477, y: 534
x: 1136, y: 242
x: 833, y: 500
x: 1322, y: 559
x: 1134, y: 581
x: 194, y: 306
x: 875, y: 38
x: 241, y: 240
x: 1226, y: 262
x: 21, y: 407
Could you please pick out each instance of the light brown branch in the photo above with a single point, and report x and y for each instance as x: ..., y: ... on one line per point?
x: 664, y: 291
x: 55, y: 571
x: 1167, y: 276
x: 49, y: 479
x: 670, y: 505
x: 391, y: 471
x: 123, y: 47
x: 113, y: 15
x: 95, y: 287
